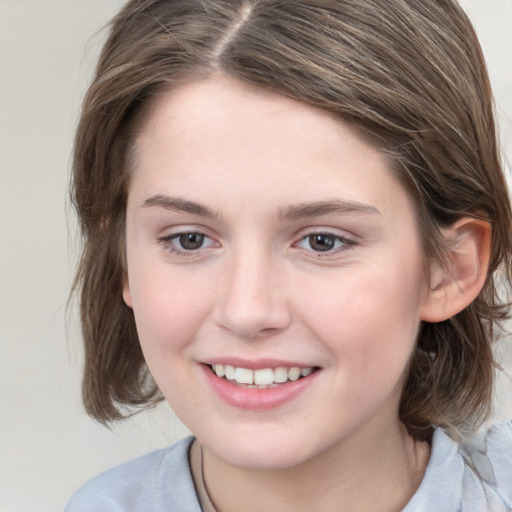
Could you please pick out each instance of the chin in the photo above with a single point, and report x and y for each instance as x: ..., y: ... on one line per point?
x: 255, y: 452
x: 261, y: 458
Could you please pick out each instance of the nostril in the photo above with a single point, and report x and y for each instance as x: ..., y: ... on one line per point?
x: 252, y: 324
x: 251, y: 303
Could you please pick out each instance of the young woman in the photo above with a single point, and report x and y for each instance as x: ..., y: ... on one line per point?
x: 294, y: 220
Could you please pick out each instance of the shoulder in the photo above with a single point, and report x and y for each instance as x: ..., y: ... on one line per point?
x: 146, y: 483
x: 488, y: 461
x: 474, y: 476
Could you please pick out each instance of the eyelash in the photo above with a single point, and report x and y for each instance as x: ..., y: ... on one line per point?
x: 345, y: 243
x: 168, y: 242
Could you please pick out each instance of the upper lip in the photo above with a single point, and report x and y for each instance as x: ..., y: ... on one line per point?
x: 257, y: 364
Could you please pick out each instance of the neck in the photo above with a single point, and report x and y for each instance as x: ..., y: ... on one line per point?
x: 354, y: 475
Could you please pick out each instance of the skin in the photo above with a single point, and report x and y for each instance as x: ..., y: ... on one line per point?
x: 257, y: 288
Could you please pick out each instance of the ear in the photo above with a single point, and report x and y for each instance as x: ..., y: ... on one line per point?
x: 127, y: 296
x: 455, y: 286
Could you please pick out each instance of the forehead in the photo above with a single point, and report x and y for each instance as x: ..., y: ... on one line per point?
x: 207, y: 135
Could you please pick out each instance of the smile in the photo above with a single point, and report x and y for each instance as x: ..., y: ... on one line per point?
x: 263, y: 378
x: 259, y: 389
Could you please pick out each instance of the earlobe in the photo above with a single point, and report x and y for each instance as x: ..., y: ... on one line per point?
x: 127, y: 296
x: 458, y: 283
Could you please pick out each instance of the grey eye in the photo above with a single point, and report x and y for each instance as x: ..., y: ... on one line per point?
x: 321, y: 242
x: 324, y: 242
x: 191, y: 241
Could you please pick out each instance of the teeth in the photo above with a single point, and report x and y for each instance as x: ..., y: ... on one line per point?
x: 294, y: 373
x: 262, y: 379
x: 280, y: 375
x: 229, y: 372
x: 244, y: 376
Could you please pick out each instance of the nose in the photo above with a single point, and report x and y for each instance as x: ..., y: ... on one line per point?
x: 253, y: 297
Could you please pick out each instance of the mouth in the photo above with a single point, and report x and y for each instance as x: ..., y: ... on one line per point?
x: 264, y: 378
x: 265, y: 386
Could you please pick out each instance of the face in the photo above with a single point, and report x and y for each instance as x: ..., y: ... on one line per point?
x: 266, y: 241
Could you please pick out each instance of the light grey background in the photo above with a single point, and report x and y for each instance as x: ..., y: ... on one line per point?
x: 48, y: 447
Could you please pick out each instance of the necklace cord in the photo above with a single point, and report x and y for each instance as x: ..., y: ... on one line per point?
x: 211, y: 506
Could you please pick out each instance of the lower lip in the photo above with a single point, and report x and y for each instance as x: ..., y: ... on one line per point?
x: 257, y: 399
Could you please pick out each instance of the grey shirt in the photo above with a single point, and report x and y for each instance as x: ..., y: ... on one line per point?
x: 474, y: 477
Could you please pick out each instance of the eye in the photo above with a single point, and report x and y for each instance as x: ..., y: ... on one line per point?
x: 324, y: 242
x: 190, y: 241
x: 186, y: 243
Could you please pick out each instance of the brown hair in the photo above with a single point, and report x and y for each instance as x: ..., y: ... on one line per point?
x: 409, y: 74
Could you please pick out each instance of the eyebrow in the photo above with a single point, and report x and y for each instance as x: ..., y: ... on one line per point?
x: 292, y: 212
x: 178, y: 204
x: 319, y: 208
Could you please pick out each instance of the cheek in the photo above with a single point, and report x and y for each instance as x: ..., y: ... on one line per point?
x: 369, y: 319
x: 370, y: 336
x: 168, y: 316
x: 169, y: 308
